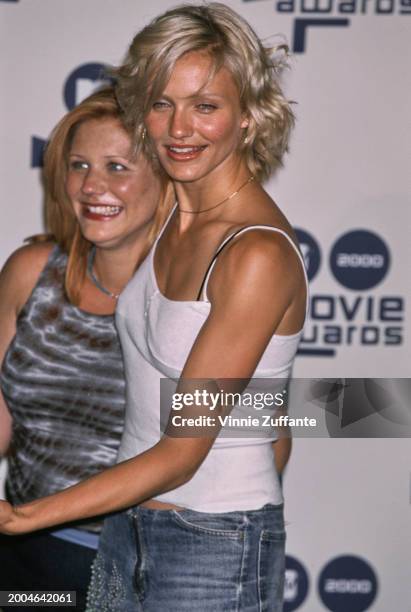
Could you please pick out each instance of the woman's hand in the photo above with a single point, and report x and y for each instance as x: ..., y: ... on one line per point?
x: 12, y: 521
x: 6, y: 518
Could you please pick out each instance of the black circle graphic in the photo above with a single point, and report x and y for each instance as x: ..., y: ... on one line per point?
x: 347, y: 583
x: 359, y: 260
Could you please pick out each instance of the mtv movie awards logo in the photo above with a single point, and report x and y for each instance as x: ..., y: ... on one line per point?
x: 80, y: 83
x: 359, y: 260
x: 296, y: 584
x: 309, y: 14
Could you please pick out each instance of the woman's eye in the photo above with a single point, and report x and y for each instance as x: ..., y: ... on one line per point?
x: 161, y: 105
x: 77, y: 164
x: 204, y: 107
x: 116, y: 167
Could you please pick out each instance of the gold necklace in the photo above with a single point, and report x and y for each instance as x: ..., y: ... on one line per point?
x: 232, y: 195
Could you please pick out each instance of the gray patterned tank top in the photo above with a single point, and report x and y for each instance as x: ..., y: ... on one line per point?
x: 62, y: 378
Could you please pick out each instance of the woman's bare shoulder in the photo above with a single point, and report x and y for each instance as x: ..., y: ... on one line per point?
x: 265, y: 250
x: 21, y: 272
x: 257, y: 263
x: 28, y: 260
x: 261, y: 209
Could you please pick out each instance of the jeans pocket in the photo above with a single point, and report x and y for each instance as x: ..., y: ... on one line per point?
x: 227, y: 525
x: 271, y: 570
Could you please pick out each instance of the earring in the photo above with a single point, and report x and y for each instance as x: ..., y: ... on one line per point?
x: 143, y: 134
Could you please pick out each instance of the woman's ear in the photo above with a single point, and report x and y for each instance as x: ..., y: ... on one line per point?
x: 245, y: 123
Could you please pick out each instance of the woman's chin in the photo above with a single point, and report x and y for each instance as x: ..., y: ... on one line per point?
x: 103, y: 241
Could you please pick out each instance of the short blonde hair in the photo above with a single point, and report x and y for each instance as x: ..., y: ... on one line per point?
x: 231, y: 42
x: 61, y: 221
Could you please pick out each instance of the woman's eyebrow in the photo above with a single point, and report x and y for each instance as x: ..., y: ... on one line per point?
x: 198, y: 94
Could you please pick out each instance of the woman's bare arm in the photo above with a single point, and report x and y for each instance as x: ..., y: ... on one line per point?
x: 282, y: 451
x: 8, y: 314
x: 250, y: 293
x: 5, y: 427
x: 17, y: 279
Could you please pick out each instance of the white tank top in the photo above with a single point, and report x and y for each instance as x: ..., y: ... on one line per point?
x: 156, y: 335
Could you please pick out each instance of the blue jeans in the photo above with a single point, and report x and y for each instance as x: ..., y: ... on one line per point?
x: 186, y: 561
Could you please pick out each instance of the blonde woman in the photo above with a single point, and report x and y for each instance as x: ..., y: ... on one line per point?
x: 221, y: 297
x: 62, y: 378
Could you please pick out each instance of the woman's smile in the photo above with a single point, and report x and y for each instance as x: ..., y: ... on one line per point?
x: 184, y: 152
x: 100, y: 211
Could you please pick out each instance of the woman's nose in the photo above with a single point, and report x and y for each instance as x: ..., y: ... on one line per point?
x: 181, y: 124
x: 94, y: 182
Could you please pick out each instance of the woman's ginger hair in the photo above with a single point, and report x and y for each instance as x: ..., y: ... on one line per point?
x: 231, y: 42
x: 60, y: 219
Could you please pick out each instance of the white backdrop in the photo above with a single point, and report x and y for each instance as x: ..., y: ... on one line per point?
x: 347, y: 172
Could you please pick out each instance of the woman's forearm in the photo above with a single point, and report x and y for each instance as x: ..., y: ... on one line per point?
x: 157, y: 470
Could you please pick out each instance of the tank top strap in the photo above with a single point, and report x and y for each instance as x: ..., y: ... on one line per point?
x: 166, y: 222
x: 53, y: 269
x: 56, y: 257
x: 56, y: 263
x: 153, y: 248
x: 202, y: 294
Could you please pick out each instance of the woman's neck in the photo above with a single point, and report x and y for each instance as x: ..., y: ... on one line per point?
x: 208, y: 196
x: 115, y: 266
